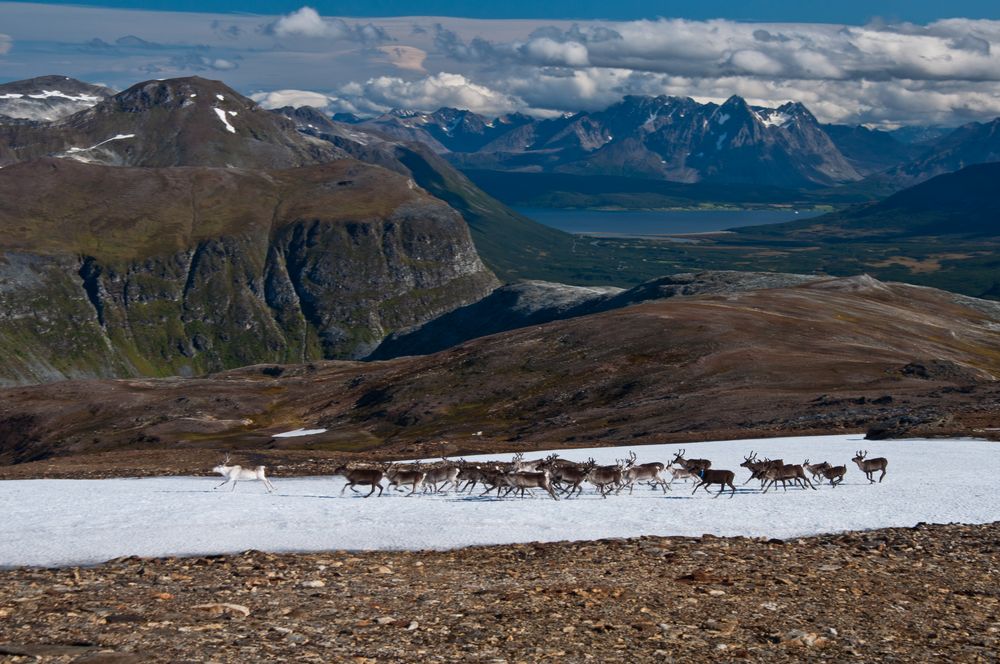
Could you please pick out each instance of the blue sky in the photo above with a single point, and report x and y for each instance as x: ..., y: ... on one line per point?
x: 840, y: 11
x: 882, y: 64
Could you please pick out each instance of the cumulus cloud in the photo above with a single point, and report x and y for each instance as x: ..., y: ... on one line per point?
x: 428, y: 93
x: 384, y: 93
x: 306, y: 22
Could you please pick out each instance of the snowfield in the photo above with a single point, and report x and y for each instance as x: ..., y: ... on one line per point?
x: 67, y: 522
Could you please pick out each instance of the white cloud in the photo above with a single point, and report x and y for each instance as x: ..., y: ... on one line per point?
x: 306, y: 22
x: 5, y: 43
x: 296, y: 98
x: 428, y: 93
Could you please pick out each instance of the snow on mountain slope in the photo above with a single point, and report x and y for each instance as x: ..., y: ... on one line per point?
x: 62, y: 522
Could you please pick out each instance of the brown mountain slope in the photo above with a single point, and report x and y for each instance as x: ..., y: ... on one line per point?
x: 827, y: 355
x: 109, y: 271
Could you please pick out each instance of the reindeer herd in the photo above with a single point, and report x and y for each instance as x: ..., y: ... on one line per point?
x: 561, y: 477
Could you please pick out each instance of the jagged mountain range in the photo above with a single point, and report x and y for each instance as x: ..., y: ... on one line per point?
x: 679, y: 140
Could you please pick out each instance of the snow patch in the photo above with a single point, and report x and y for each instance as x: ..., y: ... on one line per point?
x: 11, y: 95
x: 772, y: 118
x: 47, y: 94
x: 225, y: 120
x: 220, y: 97
x: 721, y: 118
x: 299, y: 432
x: 68, y: 522
x: 721, y: 139
x: 116, y: 137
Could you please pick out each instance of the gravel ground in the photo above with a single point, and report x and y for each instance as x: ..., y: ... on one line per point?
x: 930, y: 593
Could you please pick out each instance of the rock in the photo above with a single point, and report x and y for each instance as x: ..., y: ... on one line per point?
x: 220, y: 608
x: 314, y: 583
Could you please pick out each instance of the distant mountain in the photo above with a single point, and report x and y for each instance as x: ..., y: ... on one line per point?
x: 871, y: 150
x: 47, y: 98
x: 918, y: 135
x: 960, y: 203
x: 973, y: 143
x: 666, y: 138
x: 176, y: 122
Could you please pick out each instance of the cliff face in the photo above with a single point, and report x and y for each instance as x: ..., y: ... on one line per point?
x: 215, y: 268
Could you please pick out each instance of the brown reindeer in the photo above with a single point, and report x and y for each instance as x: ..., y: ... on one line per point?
x: 521, y: 482
x: 784, y: 473
x: 709, y: 477
x: 691, y: 464
x: 399, y: 478
x: 815, y: 469
x: 835, y: 474
x: 362, y: 476
x: 870, y: 466
x: 605, y: 478
x: 755, y: 466
x: 569, y: 477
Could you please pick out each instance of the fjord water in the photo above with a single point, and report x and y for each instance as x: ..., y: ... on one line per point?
x: 657, y: 222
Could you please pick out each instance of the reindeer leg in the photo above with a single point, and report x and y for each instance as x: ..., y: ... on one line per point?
x: 224, y: 482
x: 234, y: 485
x: 371, y: 492
x: 881, y: 476
x: 733, y: 493
x: 379, y: 485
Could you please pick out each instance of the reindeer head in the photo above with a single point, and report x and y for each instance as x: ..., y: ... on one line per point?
x: 678, y: 456
x: 223, y: 467
x: 860, y: 456
x: 749, y: 460
x: 631, y: 460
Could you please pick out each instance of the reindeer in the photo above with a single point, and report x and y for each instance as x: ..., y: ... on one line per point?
x: 869, y: 466
x: 835, y: 474
x: 604, y: 477
x: 573, y: 476
x: 721, y: 477
x: 680, y: 474
x: 649, y: 472
x: 522, y: 466
x: 236, y: 473
x: 362, y: 476
x: 447, y: 473
x: 472, y: 474
x: 784, y: 473
x: 399, y: 478
x: 691, y: 464
x: 816, y: 469
x: 755, y: 467
x: 524, y: 481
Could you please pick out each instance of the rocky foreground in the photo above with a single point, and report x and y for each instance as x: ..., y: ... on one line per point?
x: 930, y: 593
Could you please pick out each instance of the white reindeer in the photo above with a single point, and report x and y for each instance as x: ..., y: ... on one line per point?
x: 236, y: 473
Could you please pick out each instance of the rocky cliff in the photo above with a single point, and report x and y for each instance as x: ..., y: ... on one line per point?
x: 124, y: 271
